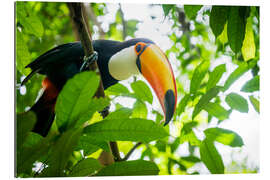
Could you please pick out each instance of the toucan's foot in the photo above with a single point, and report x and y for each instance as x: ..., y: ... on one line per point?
x: 89, y: 60
x: 105, y: 111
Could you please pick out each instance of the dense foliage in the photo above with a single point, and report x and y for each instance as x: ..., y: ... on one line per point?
x: 201, y: 36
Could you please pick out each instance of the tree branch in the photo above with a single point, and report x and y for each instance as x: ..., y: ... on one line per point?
x: 115, y: 151
x: 76, y: 13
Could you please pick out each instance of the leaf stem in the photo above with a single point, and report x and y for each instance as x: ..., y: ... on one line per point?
x: 131, y: 151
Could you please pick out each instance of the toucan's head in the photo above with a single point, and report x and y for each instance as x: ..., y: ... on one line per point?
x: 150, y: 61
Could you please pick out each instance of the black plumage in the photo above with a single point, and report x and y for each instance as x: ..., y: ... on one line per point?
x: 62, y: 63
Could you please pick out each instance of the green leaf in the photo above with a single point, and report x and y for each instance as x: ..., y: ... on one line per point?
x: 25, y: 123
x: 32, y: 90
x: 85, y: 167
x: 142, y: 91
x: 30, y: 153
x: 204, y: 100
x: 90, y: 144
x: 175, y: 144
x: 172, y: 162
x: 87, y: 147
x: 218, y: 19
x: 61, y: 152
x: 224, y: 136
x: 120, y: 113
x: 215, y: 76
x: 252, y: 85
x: 117, y: 89
x: 32, y: 139
x: 73, y: 101
x: 161, y: 145
x: 217, y: 110
x: 187, y: 134
x: 30, y: 22
x: 130, y: 168
x: 191, y: 158
x: 211, y: 158
x: 236, y: 74
x: 191, y: 138
x: 167, y: 8
x: 93, y: 106
x: 191, y: 11
x: 23, y: 56
x: 126, y: 129
x: 249, y: 47
x: 139, y: 110
x: 255, y: 102
x: 182, y: 105
x: 198, y: 76
x: 131, y: 27
x: 236, y: 27
x: 237, y: 102
x: 20, y: 9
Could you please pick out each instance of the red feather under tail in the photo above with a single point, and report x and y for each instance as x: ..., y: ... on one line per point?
x: 44, y: 108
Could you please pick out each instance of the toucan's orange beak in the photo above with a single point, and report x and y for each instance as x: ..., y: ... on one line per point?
x: 156, y: 69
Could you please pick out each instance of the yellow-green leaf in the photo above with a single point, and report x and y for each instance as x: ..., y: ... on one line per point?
x: 223, y: 38
x: 139, y: 110
x: 224, y: 136
x: 210, y: 157
x: 125, y: 129
x: 249, y: 47
x: 255, y: 102
x: 130, y: 168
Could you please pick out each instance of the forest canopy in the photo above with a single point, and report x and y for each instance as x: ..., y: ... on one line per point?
x: 214, y: 52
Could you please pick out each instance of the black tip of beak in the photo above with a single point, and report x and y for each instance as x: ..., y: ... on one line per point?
x: 169, y: 103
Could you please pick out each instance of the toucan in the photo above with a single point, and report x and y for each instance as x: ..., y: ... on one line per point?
x: 116, y: 61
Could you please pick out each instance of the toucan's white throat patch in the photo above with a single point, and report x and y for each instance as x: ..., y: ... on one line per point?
x: 122, y: 65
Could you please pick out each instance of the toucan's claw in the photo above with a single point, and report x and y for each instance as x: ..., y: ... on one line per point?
x: 89, y: 60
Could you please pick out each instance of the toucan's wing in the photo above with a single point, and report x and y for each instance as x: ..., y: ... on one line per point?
x: 56, y: 55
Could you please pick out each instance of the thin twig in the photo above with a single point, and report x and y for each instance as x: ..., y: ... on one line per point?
x: 91, y: 14
x: 123, y: 22
x: 131, y: 151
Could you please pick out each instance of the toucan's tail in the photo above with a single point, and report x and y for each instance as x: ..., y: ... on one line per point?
x: 44, y: 108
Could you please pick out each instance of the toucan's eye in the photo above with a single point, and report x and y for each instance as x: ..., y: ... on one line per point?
x: 139, y: 47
